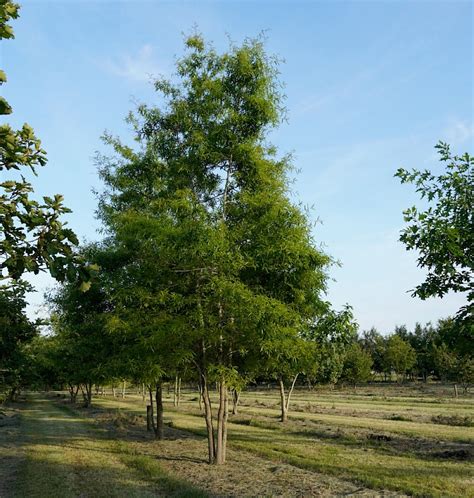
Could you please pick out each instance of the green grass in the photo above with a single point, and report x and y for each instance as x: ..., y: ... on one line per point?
x: 360, y: 439
x: 347, y: 453
x: 61, y: 454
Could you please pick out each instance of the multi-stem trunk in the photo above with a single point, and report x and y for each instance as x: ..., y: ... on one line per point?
x: 208, y: 417
x: 87, y: 394
x: 222, y: 415
x: 235, y: 401
x: 73, y: 390
x: 285, y: 399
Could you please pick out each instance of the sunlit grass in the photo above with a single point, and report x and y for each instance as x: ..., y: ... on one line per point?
x: 347, y: 456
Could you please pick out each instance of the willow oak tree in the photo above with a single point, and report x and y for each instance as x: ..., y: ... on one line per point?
x: 443, y: 234
x: 236, y: 256
x: 32, y: 236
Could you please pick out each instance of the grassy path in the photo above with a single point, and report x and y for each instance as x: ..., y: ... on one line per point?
x: 58, y: 454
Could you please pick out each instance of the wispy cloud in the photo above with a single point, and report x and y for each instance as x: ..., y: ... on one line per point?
x: 141, y: 66
x: 458, y: 132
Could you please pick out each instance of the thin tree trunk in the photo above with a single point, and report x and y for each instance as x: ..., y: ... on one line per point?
x: 224, y: 430
x: 123, y: 389
x: 208, y: 417
x: 235, y: 401
x: 148, y: 417
x: 159, y: 411
x: 290, y: 392
x: 152, y: 416
x: 200, y: 397
x: 284, y: 411
x: 73, y: 390
x: 221, y: 424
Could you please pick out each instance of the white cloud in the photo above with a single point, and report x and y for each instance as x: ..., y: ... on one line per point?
x: 141, y: 66
x: 458, y: 132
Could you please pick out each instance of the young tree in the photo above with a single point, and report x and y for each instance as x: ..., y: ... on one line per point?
x: 443, y: 234
x: 357, y: 365
x: 79, y: 324
x: 399, y: 355
x: 373, y: 342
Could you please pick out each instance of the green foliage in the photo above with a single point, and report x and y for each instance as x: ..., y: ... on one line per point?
x: 16, y: 333
x: 80, y: 350
x: 218, y: 265
x: 399, y: 355
x: 373, y: 343
x: 357, y: 365
x: 443, y: 234
x: 454, y: 367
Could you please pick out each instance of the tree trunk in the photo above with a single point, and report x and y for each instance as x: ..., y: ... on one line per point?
x: 152, y: 416
x: 285, y: 400
x: 222, y: 424
x: 455, y: 390
x: 87, y: 394
x: 177, y: 390
x: 284, y: 411
x: 235, y: 401
x: 148, y: 417
x: 123, y: 389
x: 159, y: 411
x: 208, y: 417
x: 73, y: 390
x: 200, y: 397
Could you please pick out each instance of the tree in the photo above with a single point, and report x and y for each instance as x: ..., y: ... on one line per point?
x: 453, y: 354
x: 84, y: 350
x: 32, y: 236
x: 331, y: 334
x: 373, y: 342
x: 357, y: 365
x: 443, y: 234
x: 16, y: 332
x: 399, y: 355
x: 236, y: 257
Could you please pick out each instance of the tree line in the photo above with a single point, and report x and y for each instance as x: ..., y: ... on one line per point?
x: 440, y: 352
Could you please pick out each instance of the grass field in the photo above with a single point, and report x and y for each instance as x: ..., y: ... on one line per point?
x: 370, y: 442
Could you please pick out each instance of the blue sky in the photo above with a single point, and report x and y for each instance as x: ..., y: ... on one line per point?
x: 370, y: 86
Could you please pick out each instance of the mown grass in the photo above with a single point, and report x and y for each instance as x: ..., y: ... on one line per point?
x: 346, y: 454
x: 60, y: 453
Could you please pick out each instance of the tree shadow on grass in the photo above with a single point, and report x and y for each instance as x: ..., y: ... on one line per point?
x: 42, y: 479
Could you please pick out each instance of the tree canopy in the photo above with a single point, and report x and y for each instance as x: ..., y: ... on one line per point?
x: 443, y: 233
